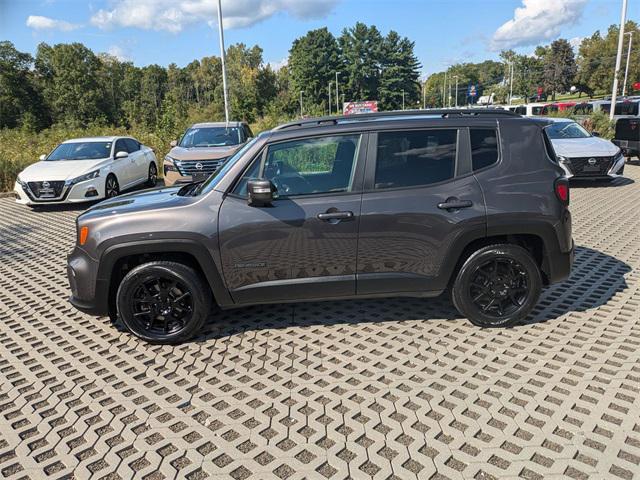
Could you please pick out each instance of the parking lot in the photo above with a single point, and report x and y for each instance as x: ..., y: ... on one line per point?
x: 396, y: 388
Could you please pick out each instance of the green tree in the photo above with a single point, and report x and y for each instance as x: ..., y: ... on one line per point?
x: 399, y: 73
x: 558, y: 66
x: 362, y: 49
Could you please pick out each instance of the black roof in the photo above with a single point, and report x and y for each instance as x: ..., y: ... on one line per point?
x: 396, y: 115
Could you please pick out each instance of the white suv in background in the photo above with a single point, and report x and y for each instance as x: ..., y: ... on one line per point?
x: 85, y: 169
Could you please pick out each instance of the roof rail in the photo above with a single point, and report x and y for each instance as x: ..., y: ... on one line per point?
x: 443, y: 113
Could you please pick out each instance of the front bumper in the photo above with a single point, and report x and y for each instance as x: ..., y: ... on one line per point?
x: 88, y: 294
x: 77, y: 193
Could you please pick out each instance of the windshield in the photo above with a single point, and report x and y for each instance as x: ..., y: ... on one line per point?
x: 563, y: 130
x: 211, y: 137
x: 215, y: 177
x: 81, y: 151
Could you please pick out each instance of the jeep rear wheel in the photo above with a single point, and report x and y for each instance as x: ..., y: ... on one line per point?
x: 497, y: 286
x: 163, y: 302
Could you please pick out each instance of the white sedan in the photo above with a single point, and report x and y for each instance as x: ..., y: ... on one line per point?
x: 85, y: 169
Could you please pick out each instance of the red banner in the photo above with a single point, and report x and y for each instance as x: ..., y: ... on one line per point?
x: 354, y: 108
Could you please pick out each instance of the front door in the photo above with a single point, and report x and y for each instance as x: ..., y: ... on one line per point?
x: 417, y: 206
x: 305, y: 244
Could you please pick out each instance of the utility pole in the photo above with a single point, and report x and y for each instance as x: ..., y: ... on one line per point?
x: 224, y: 70
x: 626, y: 68
x: 449, y: 97
x: 424, y: 94
x: 456, y: 77
x: 301, y: 92
x: 337, y: 96
x: 510, y: 81
x: 330, y: 97
x: 444, y: 90
x: 614, y: 91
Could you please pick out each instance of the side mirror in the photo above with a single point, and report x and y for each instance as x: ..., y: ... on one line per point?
x: 595, y: 134
x: 42, y: 157
x: 260, y: 192
x: 122, y: 154
x: 173, y: 143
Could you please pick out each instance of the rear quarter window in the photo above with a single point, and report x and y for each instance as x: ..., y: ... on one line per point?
x: 484, y: 147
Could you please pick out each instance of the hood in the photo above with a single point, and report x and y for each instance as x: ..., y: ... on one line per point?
x: 59, y: 169
x: 584, y: 147
x: 154, y: 199
x: 203, y: 153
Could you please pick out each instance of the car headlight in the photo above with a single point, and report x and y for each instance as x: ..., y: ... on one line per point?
x: 82, y: 178
x: 169, y: 165
x: 20, y: 182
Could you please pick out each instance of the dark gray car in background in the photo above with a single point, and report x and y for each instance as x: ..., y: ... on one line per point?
x: 387, y: 204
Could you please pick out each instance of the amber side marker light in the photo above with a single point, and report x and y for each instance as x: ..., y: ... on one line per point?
x: 84, y: 233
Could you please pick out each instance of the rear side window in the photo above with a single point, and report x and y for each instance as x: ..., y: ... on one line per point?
x: 484, y: 147
x: 132, y: 145
x: 416, y: 157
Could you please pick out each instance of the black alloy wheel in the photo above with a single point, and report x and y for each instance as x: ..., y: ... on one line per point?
x: 153, y: 175
x: 163, y: 301
x: 497, y: 285
x: 112, y: 189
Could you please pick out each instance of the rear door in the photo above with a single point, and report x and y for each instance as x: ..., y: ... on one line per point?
x: 123, y: 167
x: 138, y: 160
x: 421, y: 202
x: 305, y: 244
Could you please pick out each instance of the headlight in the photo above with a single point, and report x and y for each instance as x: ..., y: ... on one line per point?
x: 82, y: 178
x: 20, y: 182
x: 169, y: 165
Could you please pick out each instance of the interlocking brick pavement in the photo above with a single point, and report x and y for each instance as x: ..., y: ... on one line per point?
x: 396, y: 388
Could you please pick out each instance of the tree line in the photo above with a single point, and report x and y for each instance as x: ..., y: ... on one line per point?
x: 551, y: 69
x: 70, y: 84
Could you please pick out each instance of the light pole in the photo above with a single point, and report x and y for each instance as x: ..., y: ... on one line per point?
x: 424, y: 94
x: 626, y: 68
x: 510, y: 81
x: 301, y: 92
x: 456, y: 77
x: 444, y: 90
x: 403, y: 99
x: 337, y: 95
x: 224, y: 70
x: 330, y: 97
x: 614, y: 91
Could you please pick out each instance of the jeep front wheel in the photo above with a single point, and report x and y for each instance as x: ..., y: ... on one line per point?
x: 163, y: 302
x: 497, y: 286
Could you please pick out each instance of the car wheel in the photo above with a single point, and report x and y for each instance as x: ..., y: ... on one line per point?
x: 163, y: 302
x: 497, y: 286
x: 153, y: 175
x: 111, y: 188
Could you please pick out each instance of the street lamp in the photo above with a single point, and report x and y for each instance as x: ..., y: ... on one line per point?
x: 301, y: 92
x: 403, y: 99
x: 456, y: 91
x: 614, y: 90
x: 330, y: 98
x: 424, y: 94
x: 626, y: 68
x: 337, y: 96
x: 224, y: 70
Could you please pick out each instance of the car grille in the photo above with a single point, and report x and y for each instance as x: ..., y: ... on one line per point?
x: 581, y: 166
x: 206, y: 166
x: 54, y: 189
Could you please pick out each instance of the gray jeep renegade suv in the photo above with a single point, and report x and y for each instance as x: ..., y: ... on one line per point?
x: 386, y: 204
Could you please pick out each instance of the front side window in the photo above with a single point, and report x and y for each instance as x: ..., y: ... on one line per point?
x: 132, y: 145
x: 308, y: 166
x: 416, y: 157
x: 81, y: 151
x: 211, y: 137
x: 484, y: 147
x: 566, y: 130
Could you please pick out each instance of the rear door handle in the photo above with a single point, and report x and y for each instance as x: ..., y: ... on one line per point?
x: 335, y: 216
x: 452, y: 204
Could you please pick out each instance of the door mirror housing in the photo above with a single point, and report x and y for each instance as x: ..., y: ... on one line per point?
x: 260, y: 192
x: 173, y: 143
x: 42, y: 157
x: 122, y: 154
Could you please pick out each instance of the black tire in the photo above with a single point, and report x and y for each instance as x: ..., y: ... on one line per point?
x: 163, y: 302
x: 111, y: 186
x: 153, y: 175
x: 497, y: 286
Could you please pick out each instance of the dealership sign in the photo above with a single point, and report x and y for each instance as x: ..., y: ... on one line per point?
x: 354, y: 108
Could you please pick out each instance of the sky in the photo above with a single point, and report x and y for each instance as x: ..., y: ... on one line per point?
x: 178, y: 31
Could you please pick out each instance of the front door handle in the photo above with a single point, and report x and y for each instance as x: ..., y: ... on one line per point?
x: 329, y: 216
x: 455, y: 204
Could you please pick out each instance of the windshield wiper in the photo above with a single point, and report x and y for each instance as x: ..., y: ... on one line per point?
x: 189, y: 189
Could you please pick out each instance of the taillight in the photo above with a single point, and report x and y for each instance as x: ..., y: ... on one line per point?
x: 562, y: 190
